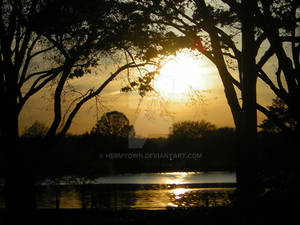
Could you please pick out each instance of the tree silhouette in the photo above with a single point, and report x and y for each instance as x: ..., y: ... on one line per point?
x: 37, y: 129
x: 38, y: 48
x: 113, y: 124
x: 191, y: 129
x: 233, y: 34
x: 283, y: 114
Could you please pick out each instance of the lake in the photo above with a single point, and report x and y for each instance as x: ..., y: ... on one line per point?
x: 170, y: 178
x: 150, y: 191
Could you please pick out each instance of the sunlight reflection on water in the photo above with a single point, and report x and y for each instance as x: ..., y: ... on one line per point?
x: 146, y: 191
x: 169, y: 178
x: 142, y: 191
x: 180, y: 191
x: 150, y: 199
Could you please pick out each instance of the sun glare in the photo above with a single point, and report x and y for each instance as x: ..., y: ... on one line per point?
x: 179, y: 74
x: 179, y: 191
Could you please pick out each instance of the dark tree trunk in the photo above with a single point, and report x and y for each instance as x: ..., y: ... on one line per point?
x: 247, y: 178
x: 18, y: 174
x: 219, y: 61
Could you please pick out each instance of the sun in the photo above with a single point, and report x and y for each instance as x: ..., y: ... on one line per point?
x: 179, y: 74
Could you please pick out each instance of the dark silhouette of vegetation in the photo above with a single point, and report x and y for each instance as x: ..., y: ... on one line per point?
x: 113, y: 124
x: 283, y: 113
x: 79, y: 159
x: 69, y: 47
x: 37, y: 129
x: 210, y: 148
x: 243, y: 36
x: 232, y: 34
x: 191, y: 129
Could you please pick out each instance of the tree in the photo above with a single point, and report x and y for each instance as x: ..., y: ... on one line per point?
x: 113, y: 124
x: 282, y: 112
x: 191, y: 129
x: 217, y: 29
x: 38, y: 48
x: 37, y: 129
x: 68, y: 48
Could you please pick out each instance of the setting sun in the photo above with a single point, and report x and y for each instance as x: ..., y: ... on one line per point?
x: 179, y: 74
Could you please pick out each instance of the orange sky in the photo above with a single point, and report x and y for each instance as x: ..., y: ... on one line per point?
x: 151, y: 116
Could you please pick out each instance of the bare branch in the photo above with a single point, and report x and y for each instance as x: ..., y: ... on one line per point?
x: 95, y: 93
x: 279, y: 92
x: 278, y: 78
x: 42, y: 51
x: 290, y: 39
x: 71, y: 105
x: 259, y: 41
x: 34, y: 89
x: 267, y: 55
x: 27, y: 61
x: 29, y: 76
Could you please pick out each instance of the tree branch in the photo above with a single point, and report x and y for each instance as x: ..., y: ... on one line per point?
x: 42, y: 72
x: 273, y: 118
x: 34, y: 89
x: 259, y: 41
x: 59, y: 46
x: 280, y: 93
x: 95, y: 93
x: 290, y: 39
x: 57, y: 100
x: 267, y: 55
x: 278, y: 78
x: 272, y: 31
x: 27, y: 61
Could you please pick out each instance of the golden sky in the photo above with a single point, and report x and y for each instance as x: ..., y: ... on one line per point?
x: 153, y: 115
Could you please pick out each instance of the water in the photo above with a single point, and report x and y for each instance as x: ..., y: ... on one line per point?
x: 149, y: 191
x: 170, y: 178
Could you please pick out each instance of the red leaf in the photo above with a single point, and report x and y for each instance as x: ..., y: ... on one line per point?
x: 198, y: 45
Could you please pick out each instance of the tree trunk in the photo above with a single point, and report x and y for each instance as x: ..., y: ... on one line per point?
x: 18, y: 174
x: 246, y: 170
x: 219, y: 61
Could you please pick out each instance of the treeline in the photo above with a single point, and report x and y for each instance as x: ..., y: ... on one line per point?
x: 112, y: 147
x: 95, y: 154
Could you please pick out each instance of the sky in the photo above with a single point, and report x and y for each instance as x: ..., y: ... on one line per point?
x: 153, y: 115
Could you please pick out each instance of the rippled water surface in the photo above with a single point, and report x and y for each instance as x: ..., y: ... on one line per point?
x: 141, y: 191
x: 145, y: 191
x: 170, y: 178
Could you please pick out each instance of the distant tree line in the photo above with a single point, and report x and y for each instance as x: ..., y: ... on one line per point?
x: 103, y: 150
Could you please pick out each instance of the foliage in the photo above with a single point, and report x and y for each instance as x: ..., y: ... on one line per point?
x: 39, y: 49
x: 191, y: 129
x: 142, y: 85
x: 114, y: 124
x: 214, y: 28
x: 37, y: 129
x: 49, y: 43
x: 282, y: 112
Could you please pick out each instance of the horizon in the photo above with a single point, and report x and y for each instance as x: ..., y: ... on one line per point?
x: 202, y: 98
